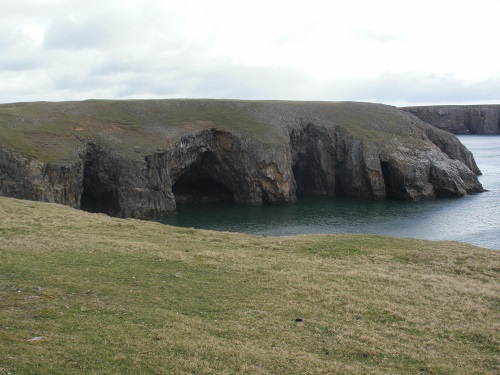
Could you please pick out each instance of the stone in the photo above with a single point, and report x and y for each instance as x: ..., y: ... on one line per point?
x: 143, y: 158
x: 461, y: 119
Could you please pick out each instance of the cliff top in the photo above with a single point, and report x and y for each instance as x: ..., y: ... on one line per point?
x: 455, y: 106
x: 461, y: 119
x: 53, y: 131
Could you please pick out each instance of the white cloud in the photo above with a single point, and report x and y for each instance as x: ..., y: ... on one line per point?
x: 387, y: 51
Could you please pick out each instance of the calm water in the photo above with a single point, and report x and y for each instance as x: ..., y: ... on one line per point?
x: 473, y: 219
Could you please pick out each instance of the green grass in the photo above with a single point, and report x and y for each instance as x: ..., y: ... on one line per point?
x: 52, y: 132
x: 107, y: 295
x: 55, y: 131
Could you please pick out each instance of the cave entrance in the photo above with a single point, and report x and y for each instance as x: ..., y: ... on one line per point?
x: 314, y: 164
x: 96, y: 201
x: 97, y: 196
x: 200, y: 184
x: 390, y: 186
x: 310, y: 179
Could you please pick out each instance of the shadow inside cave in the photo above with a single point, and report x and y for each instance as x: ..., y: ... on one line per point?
x: 200, y: 183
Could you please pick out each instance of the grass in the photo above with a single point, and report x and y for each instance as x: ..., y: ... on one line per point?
x: 54, y: 132
x: 86, y: 293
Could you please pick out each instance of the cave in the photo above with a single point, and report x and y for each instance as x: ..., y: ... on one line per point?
x: 310, y: 179
x: 200, y: 183
x: 98, y: 194
x: 390, y: 185
x: 96, y: 197
x: 96, y: 201
x: 314, y: 164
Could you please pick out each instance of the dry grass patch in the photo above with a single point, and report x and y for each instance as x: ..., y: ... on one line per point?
x: 105, y: 295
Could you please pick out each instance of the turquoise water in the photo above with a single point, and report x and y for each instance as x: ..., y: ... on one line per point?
x: 472, y: 219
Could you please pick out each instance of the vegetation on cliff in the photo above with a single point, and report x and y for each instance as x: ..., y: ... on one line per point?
x: 138, y: 158
x: 87, y: 293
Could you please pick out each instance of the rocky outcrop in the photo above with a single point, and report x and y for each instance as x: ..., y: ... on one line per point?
x: 143, y: 158
x: 26, y: 178
x: 461, y: 119
x: 328, y: 162
x: 448, y: 144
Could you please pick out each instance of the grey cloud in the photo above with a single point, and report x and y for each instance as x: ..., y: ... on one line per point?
x: 29, y: 8
x: 68, y: 34
x: 416, y: 88
x: 242, y: 82
x: 17, y: 64
x: 9, y: 38
x: 114, y: 54
x: 117, y: 62
x: 116, y: 49
x: 80, y: 75
x: 188, y: 78
x: 113, y: 27
x: 19, y: 53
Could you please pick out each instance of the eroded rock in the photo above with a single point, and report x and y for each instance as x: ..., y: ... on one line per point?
x: 461, y: 119
x: 143, y: 158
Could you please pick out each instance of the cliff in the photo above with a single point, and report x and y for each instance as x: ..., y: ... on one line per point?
x: 142, y: 158
x: 461, y: 119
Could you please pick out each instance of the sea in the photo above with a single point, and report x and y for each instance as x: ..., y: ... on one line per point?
x: 473, y: 219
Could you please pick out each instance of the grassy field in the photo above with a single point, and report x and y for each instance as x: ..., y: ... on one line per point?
x: 86, y: 293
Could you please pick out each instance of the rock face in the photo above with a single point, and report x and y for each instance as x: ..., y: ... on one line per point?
x: 26, y: 178
x: 142, y: 158
x: 457, y: 119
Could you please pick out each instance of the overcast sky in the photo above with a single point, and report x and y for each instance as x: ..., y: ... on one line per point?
x: 394, y: 52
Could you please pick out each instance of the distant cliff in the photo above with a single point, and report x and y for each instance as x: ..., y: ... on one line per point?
x: 141, y: 159
x: 461, y: 119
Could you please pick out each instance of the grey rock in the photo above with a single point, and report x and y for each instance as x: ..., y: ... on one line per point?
x: 461, y: 119
x: 142, y: 158
x: 27, y: 178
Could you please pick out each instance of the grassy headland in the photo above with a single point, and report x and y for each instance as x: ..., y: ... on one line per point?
x: 53, y: 131
x: 86, y: 293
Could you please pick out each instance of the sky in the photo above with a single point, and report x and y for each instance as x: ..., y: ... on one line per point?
x: 386, y: 51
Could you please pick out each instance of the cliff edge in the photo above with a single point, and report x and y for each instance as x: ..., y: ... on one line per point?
x: 461, y: 119
x: 141, y: 158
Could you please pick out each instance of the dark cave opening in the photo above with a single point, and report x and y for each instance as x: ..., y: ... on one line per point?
x: 198, y: 185
x: 311, y: 180
x: 96, y: 201
x: 314, y: 164
x: 304, y: 179
x: 97, y: 196
x: 390, y: 187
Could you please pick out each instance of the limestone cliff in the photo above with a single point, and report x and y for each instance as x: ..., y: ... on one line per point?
x: 142, y: 158
x: 461, y: 119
